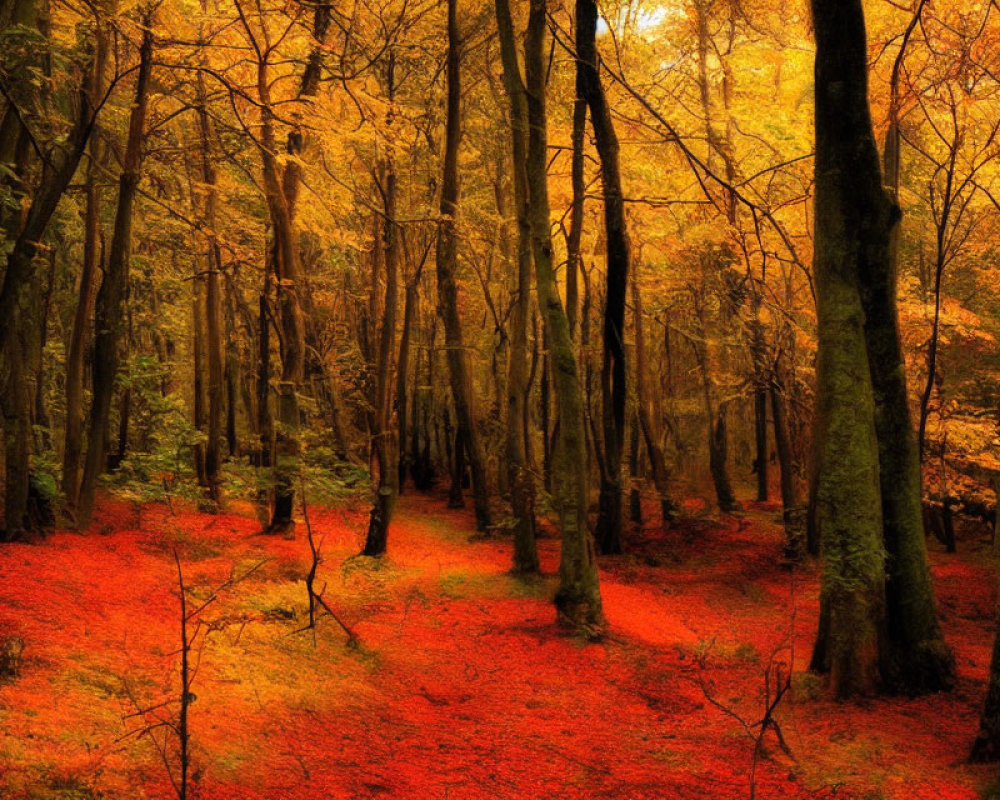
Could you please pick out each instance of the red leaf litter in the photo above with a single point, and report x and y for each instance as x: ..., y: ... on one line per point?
x: 463, y: 686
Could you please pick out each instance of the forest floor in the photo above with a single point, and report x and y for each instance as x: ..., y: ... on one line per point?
x: 463, y: 686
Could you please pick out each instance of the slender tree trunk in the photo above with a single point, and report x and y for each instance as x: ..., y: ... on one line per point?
x: 288, y: 283
x: 93, y: 252
x: 402, y: 381
x: 634, y: 496
x: 650, y: 431
x: 792, y: 511
x: 198, y: 367
x: 522, y: 488
x: 232, y: 380
x: 213, y: 306
x: 578, y: 598
x: 574, y: 258
x: 111, y: 298
x: 385, y: 450
x: 447, y: 262
x: 761, y: 380
x: 613, y: 378
x: 265, y: 418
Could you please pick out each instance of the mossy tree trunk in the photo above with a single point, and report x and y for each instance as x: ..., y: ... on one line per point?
x: 578, y: 598
x: 879, y: 626
x: 921, y: 661
x: 853, y: 218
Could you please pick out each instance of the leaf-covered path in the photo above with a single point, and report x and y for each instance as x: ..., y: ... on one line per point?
x: 463, y: 686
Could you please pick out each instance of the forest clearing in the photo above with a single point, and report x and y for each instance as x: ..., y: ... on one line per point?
x: 462, y: 685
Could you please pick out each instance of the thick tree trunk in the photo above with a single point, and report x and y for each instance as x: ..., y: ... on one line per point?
x: 613, y: 379
x: 522, y: 488
x: 110, y: 307
x: 447, y: 262
x: 578, y: 598
x: 921, y: 660
x: 853, y: 218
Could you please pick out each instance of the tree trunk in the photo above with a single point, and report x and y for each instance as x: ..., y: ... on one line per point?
x: 613, y: 379
x: 213, y: 307
x: 921, y: 660
x: 92, y: 257
x: 650, y: 431
x: 385, y: 450
x: 522, y: 487
x: 287, y: 272
x: 402, y: 381
x: 109, y: 320
x: 578, y: 598
x: 792, y: 511
x: 760, y: 415
x: 19, y: 299
x: 198, y: 368
x: 853, y: 217
x: 447, y: 262
x: 233, y: 371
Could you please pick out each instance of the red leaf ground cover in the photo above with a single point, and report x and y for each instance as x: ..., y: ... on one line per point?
x: 463, y: 686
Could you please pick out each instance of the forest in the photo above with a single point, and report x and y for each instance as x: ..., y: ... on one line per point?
x: 518, y: 399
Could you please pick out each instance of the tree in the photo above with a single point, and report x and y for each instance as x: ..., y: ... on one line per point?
x: 110, y: 314
x: 613, y: 373
x: 19, y: 292
x: 522, y: 489
x: 578, y: 598
x: 447, y: 262
x: 868, y: 639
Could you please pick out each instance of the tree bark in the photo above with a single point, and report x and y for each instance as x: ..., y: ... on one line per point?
x: 650, y: 430
x: 522, y: 487
x: 385, y: 451
x: 613, y: 378
x: 93, y: 248
x: 853, y: 218
x: 578, y: 598
x: 213, y: 306
x: 921, y: 660
x: 19, y: 299
x: 447, y: 262
x: 110, y: 306
x: 288, y: 280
